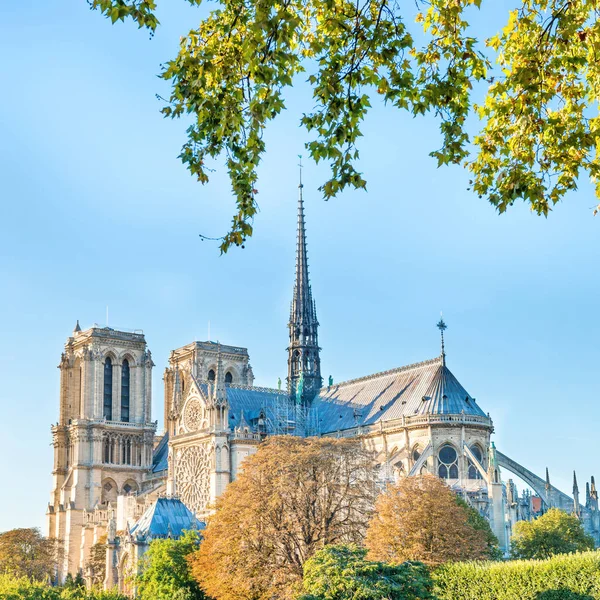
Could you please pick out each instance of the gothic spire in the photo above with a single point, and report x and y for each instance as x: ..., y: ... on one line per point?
x: 303, y: 306
x: 303, y: 351
x: 576, y: 509
x: 442, y: 327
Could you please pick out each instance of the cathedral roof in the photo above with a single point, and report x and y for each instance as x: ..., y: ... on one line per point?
x: 253, y: 401
x: 424, y: 388
x: 160, y: 455
x: 167, y: 517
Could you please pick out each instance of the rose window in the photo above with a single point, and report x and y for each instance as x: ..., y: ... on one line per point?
x: 448, y: 462
x: 193, y: 415
x: 192, y: 466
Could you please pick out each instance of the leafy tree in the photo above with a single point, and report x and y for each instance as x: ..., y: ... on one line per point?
x: 292, y: 497
x: 420, y: 519
x: 555, y: 532
x: 96, y: 564
x: 480, y: 523
x: 26, y: 553
x: 343, y: 573
x: 165, y: 573
x: 540, y: 76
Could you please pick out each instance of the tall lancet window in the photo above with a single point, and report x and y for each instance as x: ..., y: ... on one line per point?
x: 125, y: 376
x: 108, y: 372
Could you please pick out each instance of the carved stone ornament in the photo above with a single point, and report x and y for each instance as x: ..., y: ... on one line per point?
x: 192, y: 467
x: 193, y: 415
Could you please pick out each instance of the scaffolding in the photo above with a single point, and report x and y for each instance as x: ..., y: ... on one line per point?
x: 287, y: 417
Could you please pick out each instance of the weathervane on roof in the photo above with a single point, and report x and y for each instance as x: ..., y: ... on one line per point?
x: 300, y: 165
x: 442, y: 327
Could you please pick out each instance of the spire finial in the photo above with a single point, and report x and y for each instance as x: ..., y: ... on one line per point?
x: 300, y: 185
x: 442, y: 327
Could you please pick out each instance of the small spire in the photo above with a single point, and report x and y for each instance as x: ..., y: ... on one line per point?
x: 77, y: 327
x: 442, y: 327
x: 587, y: 493
x: 575, y: 486
x: 547, y: 479
x: 220, y: 393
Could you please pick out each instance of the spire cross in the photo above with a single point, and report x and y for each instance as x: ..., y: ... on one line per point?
x: 300, y: 165
x: 442, y: 327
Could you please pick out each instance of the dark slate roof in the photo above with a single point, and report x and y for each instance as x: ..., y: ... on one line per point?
x: 251, y: 400
x: 167, y: 517
x: 160, y: 455
x: 424, y: 388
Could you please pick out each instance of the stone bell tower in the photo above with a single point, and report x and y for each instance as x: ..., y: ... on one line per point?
x: 104, y: 436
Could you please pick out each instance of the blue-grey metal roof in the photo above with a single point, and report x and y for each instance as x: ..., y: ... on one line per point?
x: 167, y: 517
x: 160, y: 455
x: 253, y: 401
x: 424, y: 388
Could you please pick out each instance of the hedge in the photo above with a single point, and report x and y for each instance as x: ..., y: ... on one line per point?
x: 15, y: 588
x: 562, y: 577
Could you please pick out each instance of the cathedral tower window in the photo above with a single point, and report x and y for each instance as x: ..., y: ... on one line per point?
x: 228, y: 377
x: 448, y: 462
x: 108, y: 372
x: 125, y: 378
x: 211, y: 375
x: 473, y: 472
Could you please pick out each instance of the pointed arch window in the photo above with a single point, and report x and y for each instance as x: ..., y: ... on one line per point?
x: 125, y: 379
x: 211, y: 375
x: 108, y: 373
x: 228, y: 377
x: 473, y: 470
x: 448, y: 462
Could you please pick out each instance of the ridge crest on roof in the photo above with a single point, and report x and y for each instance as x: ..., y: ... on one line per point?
x: 425, y: 363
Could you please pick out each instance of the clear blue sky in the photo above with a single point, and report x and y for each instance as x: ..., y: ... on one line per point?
x: 97, y: 210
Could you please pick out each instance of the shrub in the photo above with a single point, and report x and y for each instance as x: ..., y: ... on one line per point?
x: 343, y: 573
x: 562, y: 577
x: 21, y: 588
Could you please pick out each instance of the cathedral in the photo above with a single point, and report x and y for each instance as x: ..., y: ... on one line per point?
x: 118, y: 484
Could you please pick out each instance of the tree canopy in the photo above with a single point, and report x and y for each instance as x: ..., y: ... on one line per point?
x: 479, y: 522
x: 294, y: 496
x: 538, y: 77
x: 420, y: 519
x: 343, y: 573
x: 166, y: 573
x: 27, y: 553
x: 555, y: 532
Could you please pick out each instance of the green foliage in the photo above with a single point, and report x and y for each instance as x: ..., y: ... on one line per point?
x: 343, y: 573
x: 165, y: 571
x: 22, y: 588
x: 480, y: 523
x: 27, y: 553
x: 537, y: 137
x: 562, y: 577
x: 555, y: 532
